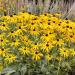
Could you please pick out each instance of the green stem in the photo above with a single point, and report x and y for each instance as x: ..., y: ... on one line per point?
x: 58, y: 68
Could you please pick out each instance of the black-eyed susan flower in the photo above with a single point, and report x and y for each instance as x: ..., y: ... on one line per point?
x: 15, y: 42
x: 25, y: 40
x: 46, y: 47
x: 60, y: 42
x: 72, y: 52
x: 36, y: 55
x: 24, y: 50
x: 48, y: 37
x: 3, y: 41
x: 2, y: 34
x: 4, y: 51
x: 48, y: 57
x: 59, y: 58
x: 34, y: 31
x: 64, y: 52
x: 12, y: 34
x: 34, y: 46
x: 4, y: 26
x: 20, y: 29
x: 9, y: 58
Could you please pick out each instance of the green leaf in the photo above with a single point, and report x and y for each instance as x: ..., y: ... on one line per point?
x: 23, y: 70
x: 8, y: 71
x: 66, y: 65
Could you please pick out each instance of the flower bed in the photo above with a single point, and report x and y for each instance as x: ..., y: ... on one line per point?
x: 40, y: 45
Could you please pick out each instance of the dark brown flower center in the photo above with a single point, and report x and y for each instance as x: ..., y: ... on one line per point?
x: 19, y: 27
x: 50, y: 33
x: 45, y: 14
x: 11, y: 15
x: 59, y: 24
x: 47, y: 45
x: 14, y: 41
x: 67, y: 22
x: 24, y: 48
x: 32, y: 23
x: 1, y: 40
x: 12, y: 31
x: 49, y: 20
x: 57, y: 39
x: 40, y: 22
x: 46, y: 34
x: 64, y: 51
x: 71, y: 36
x: 3, y: 25
x: 53, y: 21
x: 36, y: 52
x: 66, y: 18
x: 29, y: 12
x: 35, y: 43
x: 2, y: 49
x: 67, y: 26
x: 70, y: 27
x: 33, y: 29
x: 49, y: 23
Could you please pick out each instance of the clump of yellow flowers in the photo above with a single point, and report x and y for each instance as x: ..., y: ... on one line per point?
x: 41, y: 43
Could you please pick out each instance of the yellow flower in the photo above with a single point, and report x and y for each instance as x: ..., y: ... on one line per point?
x: 18, y: 32
x: 34, y: 31
x: 70, y: 37
x: 46, y: 47
x: 15, y: 43
x: 58, y: 15
x: 21, y: 15
x: 3, y: 51
x: 54, y: 20
x: 24, y: 37
x: 36, y: 55
x: 20, y: 29
x: 2, y: 34
x: 24, y: 50
x: 59, y: 59
x: 32, y: 25
x: 48, y: 57
x: 4, y: 26
x: 9, y: 58
x: 48, y: 37
x: 21, y: 26
x: 12, y: 34
x: 59, y: 42
x: 6, y: 19
x: 72, y: 52
x: 64, y: 52
x: 25, y: 40
x: 35, y: 46
x: 45, y: 37
x: 3, y: 41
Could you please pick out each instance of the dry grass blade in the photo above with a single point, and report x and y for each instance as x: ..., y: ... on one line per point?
x: 71, y: 12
